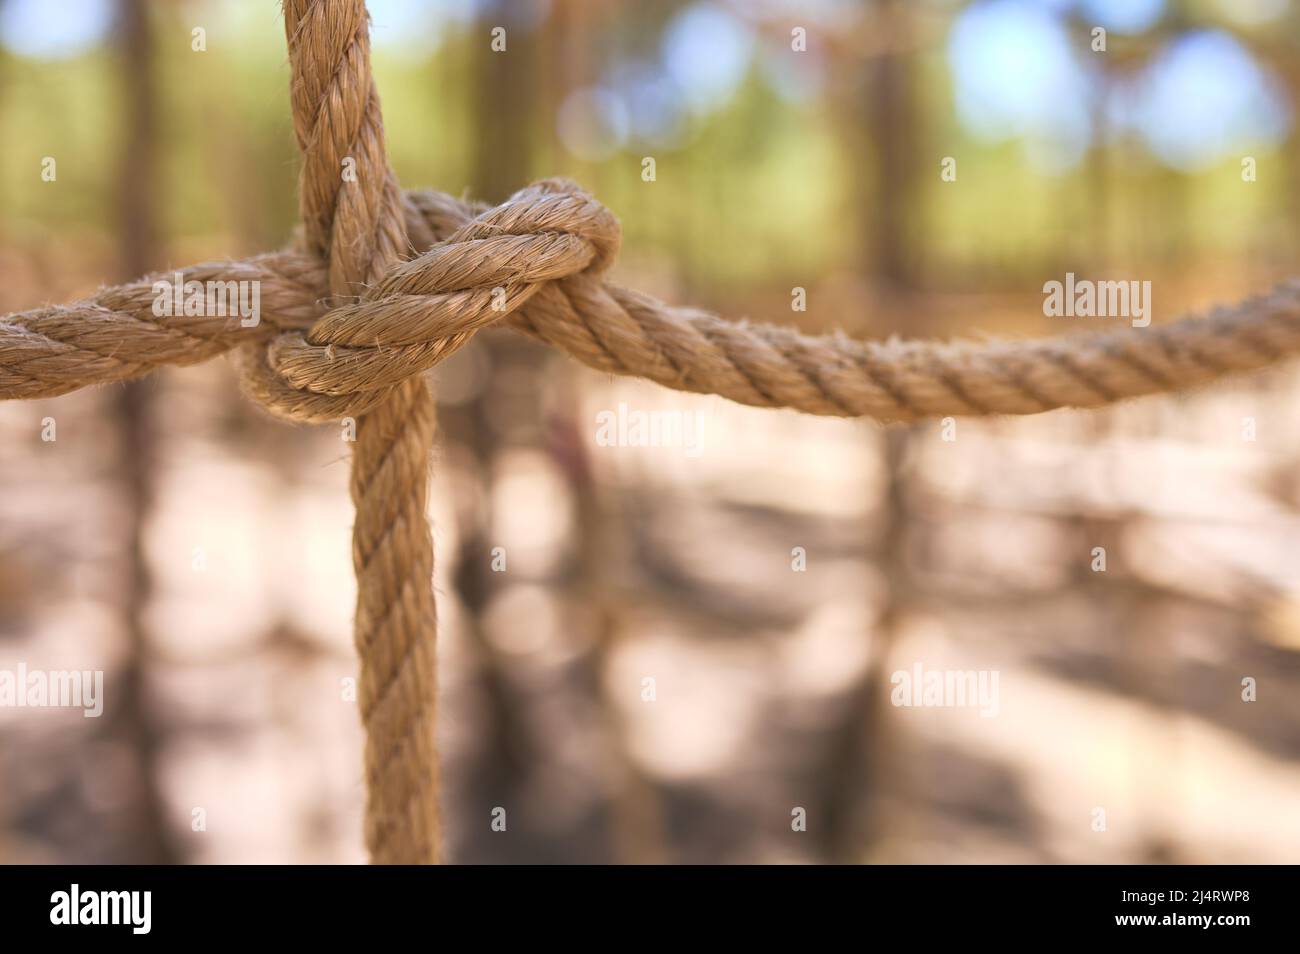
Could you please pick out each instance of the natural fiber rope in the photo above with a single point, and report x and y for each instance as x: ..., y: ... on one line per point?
x: 348, y: 327
x: 424, y: 309
x: 357, y: 225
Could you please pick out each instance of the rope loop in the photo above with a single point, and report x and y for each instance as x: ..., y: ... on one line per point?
x: 424, y: 309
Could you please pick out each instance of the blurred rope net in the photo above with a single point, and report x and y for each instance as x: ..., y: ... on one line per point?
x: 383, y: 284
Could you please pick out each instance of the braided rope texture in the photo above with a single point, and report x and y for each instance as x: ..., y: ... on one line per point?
x: 384, y: 284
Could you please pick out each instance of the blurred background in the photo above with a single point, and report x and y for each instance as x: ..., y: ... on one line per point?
x: 633, y: 664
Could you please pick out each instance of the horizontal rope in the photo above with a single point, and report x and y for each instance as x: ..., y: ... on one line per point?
x: 115, y: 335
x: 537, y: 262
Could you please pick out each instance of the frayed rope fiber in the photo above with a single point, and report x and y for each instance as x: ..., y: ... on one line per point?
x: 385, y: 284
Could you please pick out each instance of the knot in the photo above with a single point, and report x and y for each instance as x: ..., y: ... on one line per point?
x: 424, y: 309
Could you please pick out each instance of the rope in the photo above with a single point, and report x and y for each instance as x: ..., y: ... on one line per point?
x: 384, y: 285
x: 358, y: 227
x: 537, y: 263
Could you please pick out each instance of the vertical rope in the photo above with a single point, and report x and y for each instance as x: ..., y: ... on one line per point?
x: 355, y: 223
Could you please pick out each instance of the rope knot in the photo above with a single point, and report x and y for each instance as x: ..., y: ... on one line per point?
x: 422, y: 310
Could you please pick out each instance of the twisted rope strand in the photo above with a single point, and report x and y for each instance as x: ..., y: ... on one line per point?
x: 542, y: 276
x: 357, y: 223
x: 115, y: 335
